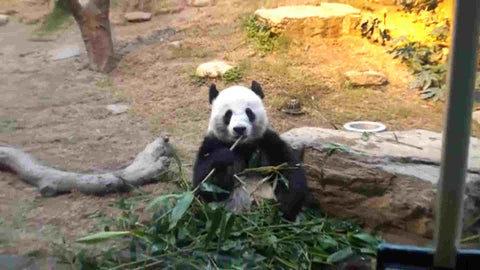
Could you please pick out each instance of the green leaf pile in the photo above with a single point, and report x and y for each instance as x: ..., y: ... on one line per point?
x: 185, y: 233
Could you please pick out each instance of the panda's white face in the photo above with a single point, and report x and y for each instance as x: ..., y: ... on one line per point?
x: 238, y: 111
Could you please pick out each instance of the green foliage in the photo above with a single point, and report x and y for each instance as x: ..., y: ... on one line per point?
x: 185, y: 233
x: 418, y: 5
x: 232, y: 75
x: 259, y: 34
x: 58, y: 19
x: 102, y: 236
x: 197, y: 80
x: 427, y: 62
x: 426, y: 59
x: 209, y: 235
x: 374, y: 29
x: 441, y: 32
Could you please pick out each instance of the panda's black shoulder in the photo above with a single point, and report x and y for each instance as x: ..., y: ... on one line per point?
x: 270, y: 135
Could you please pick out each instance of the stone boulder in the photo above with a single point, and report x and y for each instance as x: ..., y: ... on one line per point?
x: 388, y: 180
x: 328, y: 20
x: 118, y: 108
x: 200, y: 3
x: 213, y: 69
x: 65, y: 52
x: 3, y: 20
x: 175, y: 44
x: 154, y: 7
x: 476, y: 116
x: 138, y: 16
x: 366, y: 78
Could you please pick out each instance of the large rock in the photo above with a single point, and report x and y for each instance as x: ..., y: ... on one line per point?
x: 366, y: 78
x: 200, y: 3
x: 329, y: 20
x: 138, y: 16
x: 213, y: 69
x: 65, y: 52
x: 154, y: 7
x: 388, y: 181
x: 3, y: 20
x: 118, y: 108
x: 476, y: 116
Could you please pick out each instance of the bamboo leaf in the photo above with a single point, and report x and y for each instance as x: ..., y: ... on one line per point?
x: 366, y: 238
x: 287, y: 263
x: 180, y: 208
x: 340, y: 255
x: 368, y: 251
x: 365, y: 136
x: 214, y: 224
x: 229, y: 219
x: 209, y: 187
x: 162, y: 200
x: 102, y: 236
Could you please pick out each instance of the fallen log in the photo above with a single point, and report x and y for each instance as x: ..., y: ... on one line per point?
x: 147, y: 166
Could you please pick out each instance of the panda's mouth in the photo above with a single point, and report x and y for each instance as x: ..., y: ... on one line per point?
x: 239, y: 138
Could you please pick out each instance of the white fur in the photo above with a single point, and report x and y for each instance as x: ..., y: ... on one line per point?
x: 238, y: 99
x: 83, y: 3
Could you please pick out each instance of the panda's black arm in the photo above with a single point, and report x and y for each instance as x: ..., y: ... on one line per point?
x: 291, y: 198
x: 213, y: 153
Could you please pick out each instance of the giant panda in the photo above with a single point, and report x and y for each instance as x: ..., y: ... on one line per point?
x: 239, y: 112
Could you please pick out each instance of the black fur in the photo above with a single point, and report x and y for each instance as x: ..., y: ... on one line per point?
x: 277, y: 151
x: 227, y: 117
x: 215, y: 154
x: 250, y: 114
x: 213, y: 93
x: 257, y: 89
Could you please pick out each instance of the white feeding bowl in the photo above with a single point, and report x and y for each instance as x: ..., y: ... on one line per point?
x: 365, y: 126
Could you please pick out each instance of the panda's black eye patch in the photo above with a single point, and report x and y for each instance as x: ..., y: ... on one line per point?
x: 227, y: 117
x: 250, y: 114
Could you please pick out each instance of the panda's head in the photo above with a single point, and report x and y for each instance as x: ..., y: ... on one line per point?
x: 237, y: 111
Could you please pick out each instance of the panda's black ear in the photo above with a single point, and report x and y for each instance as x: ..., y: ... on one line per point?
x: 257, y: 89
x: 213, y: 92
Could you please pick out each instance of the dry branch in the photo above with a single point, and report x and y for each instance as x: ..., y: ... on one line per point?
x: 146, y: 167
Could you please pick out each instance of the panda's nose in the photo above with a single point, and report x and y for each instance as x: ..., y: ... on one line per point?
x: 240, y: 130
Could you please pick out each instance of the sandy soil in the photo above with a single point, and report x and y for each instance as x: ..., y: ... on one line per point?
x: 56, y: 110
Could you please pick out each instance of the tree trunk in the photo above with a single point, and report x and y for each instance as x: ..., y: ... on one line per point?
x: 92, y: 17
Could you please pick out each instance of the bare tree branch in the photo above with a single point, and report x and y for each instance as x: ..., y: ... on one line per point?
x: 146, y: 168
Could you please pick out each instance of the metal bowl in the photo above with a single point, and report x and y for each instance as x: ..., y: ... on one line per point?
x: 365, y: 126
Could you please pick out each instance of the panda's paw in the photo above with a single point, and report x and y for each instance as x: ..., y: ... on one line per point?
x: 291, y: 205
x: 222, y: 157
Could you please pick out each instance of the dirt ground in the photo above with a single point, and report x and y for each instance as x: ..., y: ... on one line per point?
x: 56, y: 110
